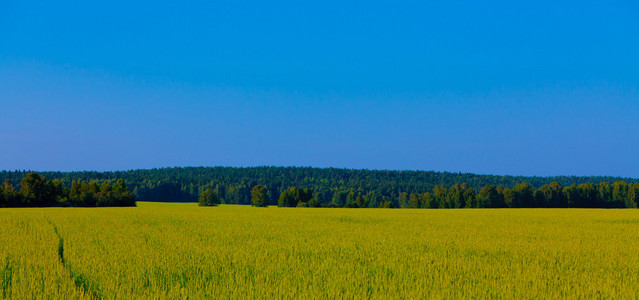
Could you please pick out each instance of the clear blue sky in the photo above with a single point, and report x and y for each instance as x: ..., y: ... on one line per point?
x: 491, y: 87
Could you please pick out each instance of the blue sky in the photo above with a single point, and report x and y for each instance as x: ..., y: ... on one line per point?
x: 491, y: 87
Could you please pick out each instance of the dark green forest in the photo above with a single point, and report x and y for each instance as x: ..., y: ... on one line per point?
x: 34, y: 190
x: 322, y: 187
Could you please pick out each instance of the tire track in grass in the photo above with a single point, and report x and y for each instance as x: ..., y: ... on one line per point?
x: 6, y: 276
x: 81, y: 282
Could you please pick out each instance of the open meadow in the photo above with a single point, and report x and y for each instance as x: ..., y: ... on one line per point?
x: 181, y: 250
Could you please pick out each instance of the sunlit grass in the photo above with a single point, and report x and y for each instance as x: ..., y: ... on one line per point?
x: 163, y: 250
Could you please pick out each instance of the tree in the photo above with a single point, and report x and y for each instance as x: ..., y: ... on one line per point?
x: 587, y: 195
x: 571, y: 193
x: 221, y: 192
x: 387, y: 204
x: 350, y: 199
x: 553, y: 195
x: 304, y: 195
x: 372, y: 198
x: 524, y: 195
x: 314, y: 203
x: 106, y: 197
x: 540, y: 200
x: 124, y: 195
x: 509, y: 197
x: 290, y: 197
x: 119, y: 186
x: 439, y: 195
x: 36, y: 191
x: 402, y: 200
x: 322, y: 197
x: 259, y: 196
x: 413, y: 201
x: 620, y: 193
x: 633, y: 195
x: 60, y: 192
x: 604, y: 196
x: 469, y: 198
x: 116, y: 195
x: 84, y: 193
x: 3, y: 202
x: 208, y: 198
x: 339, y: 198
x: 429, y: 199
x: 488, y: 196
x: 455, y: 196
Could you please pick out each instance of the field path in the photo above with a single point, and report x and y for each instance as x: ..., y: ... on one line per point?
x: 89, y: 289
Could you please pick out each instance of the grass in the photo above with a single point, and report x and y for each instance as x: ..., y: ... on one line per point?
x: 180, y: 250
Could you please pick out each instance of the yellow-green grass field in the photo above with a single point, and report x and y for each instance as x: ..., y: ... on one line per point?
x: 176, y: 251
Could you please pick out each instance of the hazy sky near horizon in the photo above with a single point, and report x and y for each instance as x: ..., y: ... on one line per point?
x: 491, y: 87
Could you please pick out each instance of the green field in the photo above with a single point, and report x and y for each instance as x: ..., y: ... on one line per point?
x: 182, y: 250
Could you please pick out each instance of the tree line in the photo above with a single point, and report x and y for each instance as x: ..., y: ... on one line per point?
x: 338, y: 187
x: 620, y: 194
x: 34, y: 190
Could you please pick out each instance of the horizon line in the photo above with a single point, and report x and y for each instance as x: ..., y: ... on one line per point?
x: 312, y: 167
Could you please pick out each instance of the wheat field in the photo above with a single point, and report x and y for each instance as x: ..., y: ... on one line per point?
x: 177, y: 251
